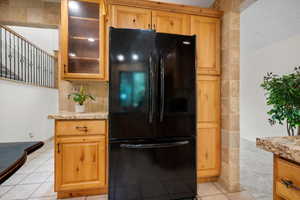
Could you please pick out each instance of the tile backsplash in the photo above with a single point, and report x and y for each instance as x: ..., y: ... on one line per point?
x: 99, y: 90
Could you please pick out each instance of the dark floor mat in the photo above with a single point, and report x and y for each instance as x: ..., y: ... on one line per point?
x: 13, y: 156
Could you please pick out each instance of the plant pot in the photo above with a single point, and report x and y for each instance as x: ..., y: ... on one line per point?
x: 79, y: 108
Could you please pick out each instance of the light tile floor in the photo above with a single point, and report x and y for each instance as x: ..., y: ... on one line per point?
x: 35, y: 181
x: 256, y: 170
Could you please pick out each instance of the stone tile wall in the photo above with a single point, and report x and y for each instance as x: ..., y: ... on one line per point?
x: 230, y: 84
x: 36, y: 13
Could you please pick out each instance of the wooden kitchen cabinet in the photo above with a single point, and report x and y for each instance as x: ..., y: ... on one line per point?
x: 207, y: 30
x: 82, y: 40
x: 80, y: 163
x: 129, y: 17
x: 208, y: 127
x: 139, y: 18
x: 286, y: 179
x: 80, y: 157
x: 170, y: 22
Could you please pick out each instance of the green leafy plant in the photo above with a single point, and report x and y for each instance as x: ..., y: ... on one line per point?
x: 81, y: 97
x: 283, y: 95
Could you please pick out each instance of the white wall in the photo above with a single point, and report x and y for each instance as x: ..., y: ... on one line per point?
x: 24, y: 108
x: 270, y: 42
x: 46, y: 39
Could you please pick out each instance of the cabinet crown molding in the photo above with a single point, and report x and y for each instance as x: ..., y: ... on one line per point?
x: 170, y: 7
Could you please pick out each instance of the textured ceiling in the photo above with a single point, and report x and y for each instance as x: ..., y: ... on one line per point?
x: 200, y: 3
x: 269, y: 21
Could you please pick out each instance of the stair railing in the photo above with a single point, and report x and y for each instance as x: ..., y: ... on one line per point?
x: 21, y: 60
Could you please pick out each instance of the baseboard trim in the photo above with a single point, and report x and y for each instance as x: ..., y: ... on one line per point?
x: 91, y: 192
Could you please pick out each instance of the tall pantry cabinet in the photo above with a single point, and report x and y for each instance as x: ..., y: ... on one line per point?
x: 206, y: 26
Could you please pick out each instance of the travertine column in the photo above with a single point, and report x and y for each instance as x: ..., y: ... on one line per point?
x: 230, y: 173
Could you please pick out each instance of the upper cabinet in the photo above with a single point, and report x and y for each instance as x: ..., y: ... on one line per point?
x: 167, y: 22
x: 82, y: 40
x: 139, y: 18
x: 129, y: 17
x: 207, y: 30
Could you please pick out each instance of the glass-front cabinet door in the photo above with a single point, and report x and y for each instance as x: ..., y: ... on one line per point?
x: 82, y: 41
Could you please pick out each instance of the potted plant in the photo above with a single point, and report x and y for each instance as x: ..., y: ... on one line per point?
x: 80, y: 98
x: 283, y: 95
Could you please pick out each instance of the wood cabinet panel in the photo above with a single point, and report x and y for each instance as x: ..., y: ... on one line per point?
x: 169, y: 22
x: 207, y: 31
x: 80, y: 127
x: 80, y: 163
x: 208, y: 150
x: 129, y: 17
x: 208, y: 99
x: 208, y: 131
x: 286, y: 171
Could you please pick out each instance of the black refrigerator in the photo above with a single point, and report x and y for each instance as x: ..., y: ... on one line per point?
x: 152, y: 134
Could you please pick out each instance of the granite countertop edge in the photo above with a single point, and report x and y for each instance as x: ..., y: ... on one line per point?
x: 286, y: 147
x: 76, y: 116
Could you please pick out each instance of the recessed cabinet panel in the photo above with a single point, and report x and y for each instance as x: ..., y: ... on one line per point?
x: 128, y: 17
x: 169, y: 22
x: 80, y: 163
x: 207, y: 31
x: 208, y: 99
x: 208, y: 150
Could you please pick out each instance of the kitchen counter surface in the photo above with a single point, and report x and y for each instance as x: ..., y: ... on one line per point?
x: 286, y: 147
x: 78, y: 116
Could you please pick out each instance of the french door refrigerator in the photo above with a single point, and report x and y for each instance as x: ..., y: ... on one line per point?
x: 152, y: 146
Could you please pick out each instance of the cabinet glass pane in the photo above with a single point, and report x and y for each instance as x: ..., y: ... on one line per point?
x: 83, y: 37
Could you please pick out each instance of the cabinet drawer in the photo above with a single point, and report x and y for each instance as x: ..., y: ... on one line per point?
x: 287, y: 171
x: 81, y: 127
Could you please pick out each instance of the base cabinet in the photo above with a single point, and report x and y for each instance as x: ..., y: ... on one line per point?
x: 80, y: 162
x: 286, y: 179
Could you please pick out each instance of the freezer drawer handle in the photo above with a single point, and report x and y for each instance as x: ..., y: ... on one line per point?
x: 154, y: 146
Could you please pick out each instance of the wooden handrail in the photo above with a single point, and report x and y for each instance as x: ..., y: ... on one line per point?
x: 20, y: 36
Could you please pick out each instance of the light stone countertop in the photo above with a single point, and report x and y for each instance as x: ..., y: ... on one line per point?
x: 286, y: 147
x: 78, y: 116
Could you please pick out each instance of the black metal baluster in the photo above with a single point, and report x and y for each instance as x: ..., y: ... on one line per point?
x: 31, y: 64
x: 5, y: 53
x: 10, y: 52
x: 40, y: 66
x: 18, y: 57
x: 22, y: 60
x: 1, y: 46
x: 14, y: 57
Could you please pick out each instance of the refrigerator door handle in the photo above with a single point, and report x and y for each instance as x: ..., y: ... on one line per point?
x: 151, y: 89
x: 154, y: 146
x: 162, y: 88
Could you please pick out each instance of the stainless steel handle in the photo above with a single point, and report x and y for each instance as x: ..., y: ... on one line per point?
x: 162, y: 88
x: 289, y: 184
x: 154, y: 146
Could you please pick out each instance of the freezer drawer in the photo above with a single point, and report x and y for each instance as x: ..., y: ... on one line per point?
x: 152, y: 170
